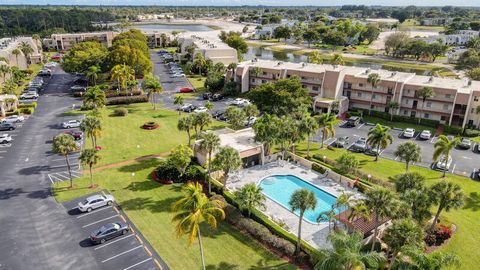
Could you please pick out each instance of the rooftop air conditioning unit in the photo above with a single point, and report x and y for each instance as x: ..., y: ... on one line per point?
x: 367, y: 71
x: 304, y: 64
x: 394, y: 73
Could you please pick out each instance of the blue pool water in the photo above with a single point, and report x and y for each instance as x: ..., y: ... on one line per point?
x: 281, y: 187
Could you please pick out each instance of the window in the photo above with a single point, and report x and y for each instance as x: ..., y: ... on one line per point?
x: 448, y: 96
x: 288, y: 76
x: 443, y: 118
x: 264, y: 81
x: 472, y: 110
x: 406, y: 101
x: 359, y: 94
x: 405, y: 112
x: 303, y: 78
x: 475, y: 98
x: 374, y: 96
x: 426, y: 116
x: 390, y: 91
x: 264, y: 73
x: 253, y: 80
x: 445, y: 106
x: 429, y: 104
x: 408, y: 91
x: 315, y: 88
x: 360, y: 84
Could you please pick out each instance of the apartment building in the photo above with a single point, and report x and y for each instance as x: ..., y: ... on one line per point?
x: 454, y: 103
x: 20, y: 60
x: 460, y: 38
x: 436, y: 21
x: 210, y: 48
x: 63, y: 42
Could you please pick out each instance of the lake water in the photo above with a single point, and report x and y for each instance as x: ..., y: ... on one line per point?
x: 172, y: 27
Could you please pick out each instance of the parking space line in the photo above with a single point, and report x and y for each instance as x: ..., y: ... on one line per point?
x: 93, y: 212
x: 139, y: 239
x: 148, y: 251
x: 114, y: 241
x: 453, y: 170
x: 146, y: 260
x: 101, y: 220
x: 158, y: 264
x: 120, y: 254
x: 361, y: 126
x: 124, y: 220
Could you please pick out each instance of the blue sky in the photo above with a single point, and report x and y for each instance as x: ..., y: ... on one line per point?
x: 246, y: 2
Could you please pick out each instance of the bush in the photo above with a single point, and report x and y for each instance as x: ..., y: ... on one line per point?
x: 127, y: 100
x: 27, y: 110
x: 453, y: 130
x: 438, y: 236
x: 120, y: 111
x: 318, y: 168
x: 114, y: 93
x: 471, y: 133
x: 16, y: 112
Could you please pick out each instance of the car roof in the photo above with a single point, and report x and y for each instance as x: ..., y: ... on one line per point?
x: 4, y: 135
x: 409, y: 129
x: 94, y: 197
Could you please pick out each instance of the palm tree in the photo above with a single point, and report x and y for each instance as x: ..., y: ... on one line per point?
x: 373, y: 79
x: 94, y: 97
x: 359, y: 211
x: 92, y: 74
x: 178, y: 101
x: 302, y: 200
x: 443, y: 146
x: 199, y: 62
x: 89, y: 157
x: 382, y: 202
x: 417, y: 259
x: 337, y: 59
x: 122, y: 74
x: 26, y: 50
x: 326, y: 122
x: 346, y: 253
x: 266, y: 129
x: 227, y: 159
x: 309, y: 127
x: 315, y: 57
x: 477, y: 112
x: 329, y: 216
x: 4, y: 70
x: 408, y: 152
x: 403, y: 233
x: 392, y: 105
x: 379, y: 137
x: 209, y: 105
x: 92, y: 127
x: 210, y: 142
x: 16, y: 52
x: 343, y: 202
x: 249, y: 197
x: 186, y: 124
x: 153, y: 86
x: 64, y: 144
x: 448, y: 196
x: 424, y: 93
x: 192, y: 210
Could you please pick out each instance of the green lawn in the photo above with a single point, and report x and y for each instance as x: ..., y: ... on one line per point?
x: 147, y: 204
x: 198, y: 82
x: 465, y: 240
x: 412, y: 24
x: 123, y: 139
x: 402, y: 125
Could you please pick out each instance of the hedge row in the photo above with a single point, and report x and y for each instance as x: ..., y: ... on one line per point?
x: 396, y: 118
x: 127, y: 100
x: 27, y: 105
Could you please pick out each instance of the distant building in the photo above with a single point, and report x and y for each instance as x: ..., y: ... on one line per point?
x: 63, y: 42
x: 158, y: 39
x: 153, y: 17
x: 460, y: 38
x: 8, y: 45
x: 436, y: 21
x: 210, y: 49
x: 454, y: 54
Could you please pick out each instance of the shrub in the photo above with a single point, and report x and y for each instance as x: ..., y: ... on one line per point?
x: 438, y: 236
x: 114, y: 93
x: 453, y: 130
x: 127, y: 100
x: 318, y: 168
x: 27, y: 110
x: 471, y: 133
x: 166, y: 171
x: 120, y: 111
x: 16, y: 112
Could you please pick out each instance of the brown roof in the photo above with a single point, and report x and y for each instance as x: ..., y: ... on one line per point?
x: 360, y: 224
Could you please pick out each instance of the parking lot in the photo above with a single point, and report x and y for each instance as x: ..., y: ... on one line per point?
x: 129, y: 251
x: 463, y: 161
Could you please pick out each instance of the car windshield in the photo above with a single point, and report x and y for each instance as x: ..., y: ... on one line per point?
x: 85, y: 202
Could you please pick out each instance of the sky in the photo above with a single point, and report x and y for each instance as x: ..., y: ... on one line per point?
x: 247, y: 2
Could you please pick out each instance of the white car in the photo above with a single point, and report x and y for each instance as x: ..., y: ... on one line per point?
x: 94, y: 202
x: 443, y: 163
x: 200, y: 110
x: 71, y: 124
x: 5, y: 138
x: 409, y: 133
x: 13, y: 119
x: 250, y: 121
x: 426, y: 135
x: 29, y: 95
x: 50, y: 64
x: 178, y: 75
x: 240, y: 102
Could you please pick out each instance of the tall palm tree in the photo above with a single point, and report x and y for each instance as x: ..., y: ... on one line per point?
x: 266, y: 129
x: 27, y: 50
x: 122, y: 74
x: 337, y: 59
x: 309, y: 127
x: 94, y: 97
x: 64, y: 144
x: 315, y: 57
x: 329, y: 216
x: 403, y: 233
x: 153, y: 86
x: 424, y: 93
x: 408, y: 152
x: 382, y: 202
x: 4, y: 70
x: 344, y: 201
x: 92, y: 74
x: 210, y: 142
x: 228, y: 160
x: 379, y: 137
x: 193, y: 209
x: 448, y: 196
x: 249, y: 197
x: 417, y: 259
x: 347, y: 253
x: 359, y: 211
x: 326, y: 122
x: 199, y: 62
x: 186, y: 124
x: 16, y: 52
x: 302, y: 200
x: 373, y: 79
x: 89, y: 157
x: 392, y: 105
x: 443, y: 146
x: 92, y: 127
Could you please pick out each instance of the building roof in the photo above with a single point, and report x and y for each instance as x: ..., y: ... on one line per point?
x: 361, y: 225
x: 240, y: 140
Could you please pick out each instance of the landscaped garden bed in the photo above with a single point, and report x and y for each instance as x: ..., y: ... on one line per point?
x: 150, y: 125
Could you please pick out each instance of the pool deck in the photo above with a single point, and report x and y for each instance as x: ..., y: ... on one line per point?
x: 314, y: 234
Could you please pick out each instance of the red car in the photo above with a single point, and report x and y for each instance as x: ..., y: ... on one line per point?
x: 77, y: 135
x: 186, y: 90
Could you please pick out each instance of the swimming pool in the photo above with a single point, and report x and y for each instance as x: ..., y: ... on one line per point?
x: 281, y: 187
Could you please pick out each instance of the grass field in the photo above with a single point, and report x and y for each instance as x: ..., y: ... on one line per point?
x: 147, y: 204
x: 198, y: 82
x: 412, y: 24
x: 465, y: 240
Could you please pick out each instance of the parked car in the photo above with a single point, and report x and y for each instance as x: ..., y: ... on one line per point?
x: 186, y: 90
x: 7, y: 126
x: 217, y: 114
x: 200, y: 109
x: 465, y: 144
x: 372, y: 151
x: 29, y: 95
x: 207, y: 95
x: 408, y: 133
x: 71, y: 124
x: 341, y: 142
x: 13, y: 119
x: 241, y: 102
x: 443, y: 163
x: 360, y: 145
x: 5, y: 138
x: 77, y: 135
x: 426, y: 135
x: 78, y: 88
x: 94, y: 202
x: 188, y: 107
x: 250, y: 121
x: 216, y: 97
x: 45, y: 72
x: 352, y: 121
x: 178, y: 75
x: 108, y: 231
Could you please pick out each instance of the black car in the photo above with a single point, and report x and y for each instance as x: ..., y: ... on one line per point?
x: 353, y: 121
x: 216, y: 97
x: 109, y: 231
x: 341, y: 142
x: 207, y: 95
x: 7, y: 126
x: 217, y: 114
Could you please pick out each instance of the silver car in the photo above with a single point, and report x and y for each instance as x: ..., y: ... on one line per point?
x: 94, y: 202
x: 71, y: 124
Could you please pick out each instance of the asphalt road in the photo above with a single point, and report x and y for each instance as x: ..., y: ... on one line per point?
x: 464, y: 162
